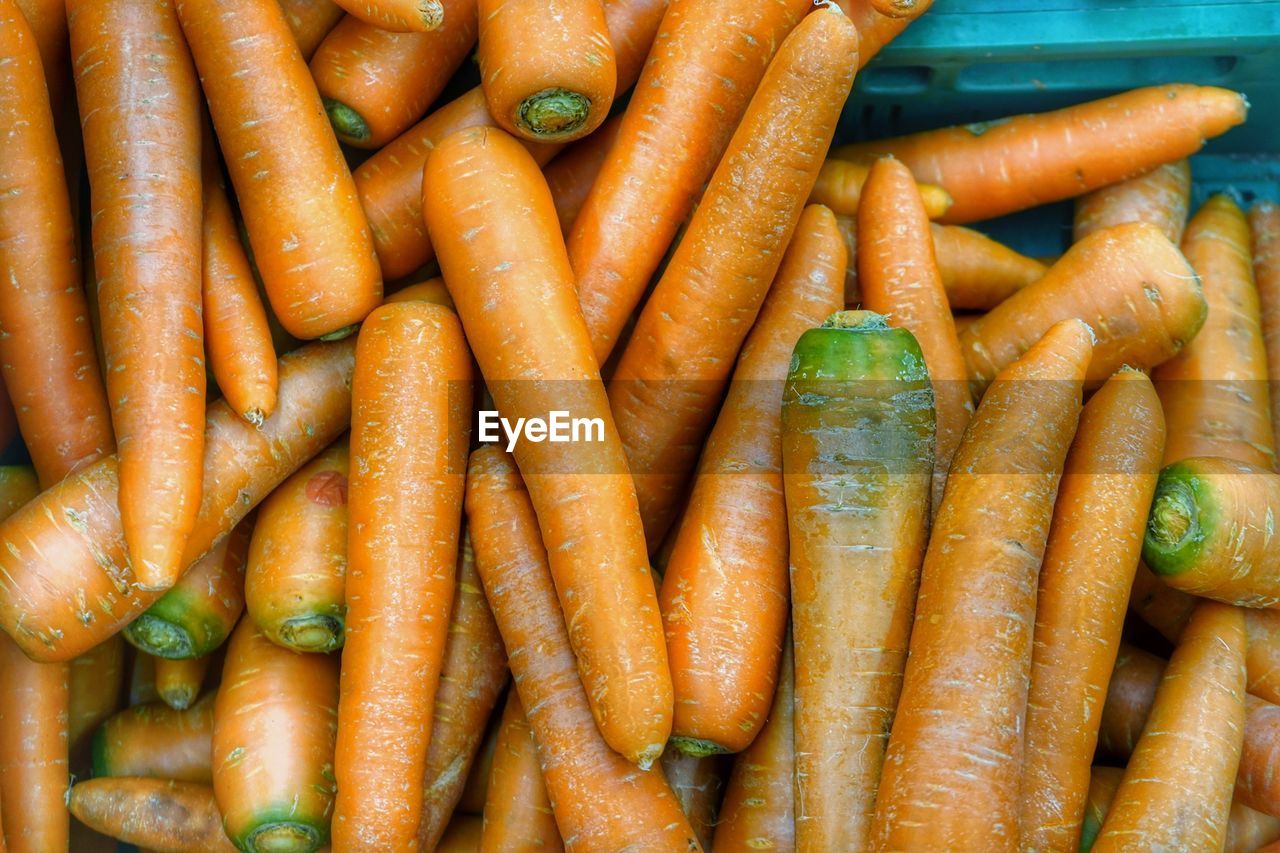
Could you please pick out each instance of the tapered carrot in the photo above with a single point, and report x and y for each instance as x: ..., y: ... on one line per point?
x: 157, y: 814
x: 840, y: 184
x: 146, y: 239
x: 1177, y: 787
x: 1160, y: 197
x: 959, y: 723
x: 376, y: 83
x: 33, y: 752
x: 1264, y: 227
x: 312, y: 247
x: 1103, y: 782
x: 68, y: 581
x: 725, y: 590
x: 297, y: 563
x: 571, y: 175
x: 898, y: 276
x: 411, y: 408
x: 600, y: 800
x: 403, y: 16
x: 142, y: 677
x: 179, y: 680
x: 909, y: 9
x: 681, y: 351
x: 690, y: 98
x: 476, y: 789
x: 1130, y: 693
x: 432, y: 290
x: 1130, y: 285
x: 274, y: 725
x: 492, y: 220
x: 697, y: 781
x: 517, y: 812
x: 237, y: 336
x: 158, y: 742
x: 310, y: 21
x: 95, y: 692
x: 390, y: 182
x: 997, y: 167
x: 1093, y: 550
x: 8, y: 418
x: 874, y: 29
x: 471, y: 679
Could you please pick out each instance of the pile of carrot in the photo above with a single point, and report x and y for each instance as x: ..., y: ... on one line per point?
x: 865, y: 531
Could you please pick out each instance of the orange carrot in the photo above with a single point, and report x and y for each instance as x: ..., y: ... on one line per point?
x: 600, y: 800
x: 157, y: 814
x: 48, y: 22
x: 95, y: 692
x: 476, y: 789
x: 401, y: 16
x: 909, y: 9
x: 376, y: 83
x: 517, y: 812
x: 1256, y: 784
x: 146, y: 239
x: 462, y: 835
x: 1103, y: 782
x: 725, y: 590
x: 571, y: 175
x: 1176, y: 791
x: 964, y: 321
x: 411, y: 408
x: 1130, y: 285
x: 297, y: 564
x: 840, y: 185
x: 310, y: 241
x: 142, y: 677
x: 310, y: 21
x: 690, y: 98
x: 1160, y: 197
x: 697, y: 781
x: 491, y: 217
x: 1264, y: 225
x: 959, y: 723
x: 1093, y: 549
x: 158, y: 742
x: 274, y: 724
x: 997, y: 167
x: 179, y: 681
x: 1130, y: 694
x: 432, y: 290
x: 874, y: 29
x: 68, y: 581
x: 33, y: 752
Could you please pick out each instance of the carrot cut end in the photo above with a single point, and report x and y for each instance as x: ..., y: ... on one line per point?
x: 553, y: 113
x: 1175, y: 527
x: 160, y: 637
x: 432, y: 12
x: 647, y: 756
x: 282, y: 838
x: 315, y: 633
x: 697, y: 747
x: 347, y: 123
x: 178, y: 698
x: 858, y: 321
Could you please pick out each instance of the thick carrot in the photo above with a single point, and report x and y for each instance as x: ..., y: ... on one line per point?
x: 898, y: 276
x: 1176, y: 791
x: 471, y: 680
x: 237, y: 336
x: 68, y: 581
x: 1215, y: 391
x: 840, y: 184
x: 571, y: 175
x: 158, y: 742
x: 390, y: 182
x: 697, y: 781
x: 274, y: 724
x: 958, y: 729
x: 1130, y: 285
x: 517, y: 812
x: 1264, y: 226
x: 694, y: 91
x: 33, y: 752
x: 1092, y: 553
x: 295, y: 575
x: 1160, y: 197
x: 681, y: 352
x: 376, y: 83
x: 46, y: 344
x: 95, y: 692
x: 758, y: 812
x: 310, y: 21
x: 411, y: 410
x: 157, y: 814
x: 1130, y: 694
x: 146, y: 246
x: 600, y: 800
x: 401, y: 16
x: 996, y: 167
x: 310, y: 240
x: 857, y: 455
x: 179, y: 680
x: 492, y: 220
x: 725, y: 590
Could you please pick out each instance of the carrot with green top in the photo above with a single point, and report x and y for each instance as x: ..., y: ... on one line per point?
x: 958, y: 728
x: 158, y: 742
x: 375, y: 83
x: 179, y: 680
x: 155, y: 814
x: 295, y: 573
x: 311, y: 245
x: 572, y: 174
x: 1160, y: 197
x: 1130, y: 284
x: 1264, y: 227
x: 411, y: 410
x: 840, y: 185
x: 492, y: 220
x: 69, y: 585
x: 400, y: 16
x: 1093, y: 549
x: 1130, y: 693
x: 997, y: 167
x: 309, y: 21
x: 517, y: 812
x: 95, y: 692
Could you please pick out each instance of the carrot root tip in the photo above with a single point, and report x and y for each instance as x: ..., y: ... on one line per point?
x: 254, y: 416
x: 283, y: 838
x: 317, y: 633
x: 648, y: 755
x: 432, y: 12
x: 179, y: 699
x: 553, y: 112
x: 160, y: 638
x: 346, y: 122
x: 697, y: 747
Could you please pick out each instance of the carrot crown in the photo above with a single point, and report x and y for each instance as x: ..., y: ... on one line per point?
x: 1181, y: 513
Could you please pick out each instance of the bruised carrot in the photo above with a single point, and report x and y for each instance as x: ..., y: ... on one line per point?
x: 274, y: 724
x: 725, y: 589
x: 1176, y: 790
x: 1093, y: 549
x: 402, y: 16
x: 1130, y: 693
x: 1264, y: 227
x: 297, y: 562
x: 600, y: 799
x: 68, y: 581
x: 375, y: 83
x: 411, y: 407
x: 517, y: 813
x: 33, y: 752
x: 95, y: 692
x: 1160, y: 197
x: 840, y: 184
x: 997, y: 167
x: 959, y: 723
x: 571, y: 175
x: 697, y: 781
x: 311, y: 246
x: 157, y: 814
x: 309, y: 21
x: 491, y: 217
x: 1130, y: 285
x: 158, y: 742
x: 690, y: 98
x: 179, y: 680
